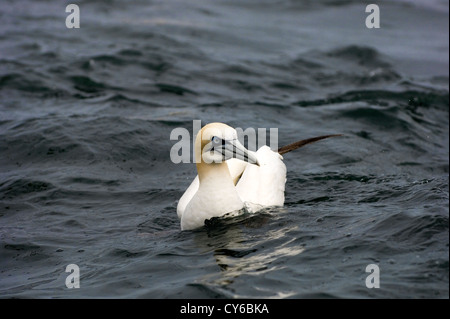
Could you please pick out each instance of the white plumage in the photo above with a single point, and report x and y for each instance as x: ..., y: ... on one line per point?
x: 231, y: 185
x: 230, y: 177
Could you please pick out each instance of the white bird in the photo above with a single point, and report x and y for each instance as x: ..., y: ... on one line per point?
x: 230, y: 177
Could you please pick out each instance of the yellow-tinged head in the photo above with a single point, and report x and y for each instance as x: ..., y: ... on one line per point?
x: 218, y: 142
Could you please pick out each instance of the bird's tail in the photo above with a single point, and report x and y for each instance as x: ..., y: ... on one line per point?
x: 287, y: 148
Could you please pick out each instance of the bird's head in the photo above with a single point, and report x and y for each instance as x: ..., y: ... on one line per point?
x: 218, y: 142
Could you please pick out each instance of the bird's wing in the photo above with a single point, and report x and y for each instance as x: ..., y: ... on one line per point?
x: 187, y: 196
x: 262, y: 186
x: 236, y: 168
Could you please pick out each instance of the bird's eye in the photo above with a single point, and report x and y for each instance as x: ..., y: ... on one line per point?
x: 215, y: 140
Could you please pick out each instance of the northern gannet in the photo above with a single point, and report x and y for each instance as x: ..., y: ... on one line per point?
x: 230, y: 177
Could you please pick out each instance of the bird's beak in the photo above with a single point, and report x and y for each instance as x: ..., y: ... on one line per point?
x: 234, y: 149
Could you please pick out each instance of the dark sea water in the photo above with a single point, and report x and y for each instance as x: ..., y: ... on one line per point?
x: 85, y: 173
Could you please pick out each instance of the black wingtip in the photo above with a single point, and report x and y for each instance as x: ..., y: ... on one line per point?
x: 287, y: 148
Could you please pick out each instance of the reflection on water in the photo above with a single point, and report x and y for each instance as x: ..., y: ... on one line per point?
x: 237, y: 255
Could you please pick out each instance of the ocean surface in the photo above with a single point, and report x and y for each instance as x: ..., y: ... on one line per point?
x: 85, y: 170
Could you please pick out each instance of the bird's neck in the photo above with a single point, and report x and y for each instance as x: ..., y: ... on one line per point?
x: 214, y: 175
